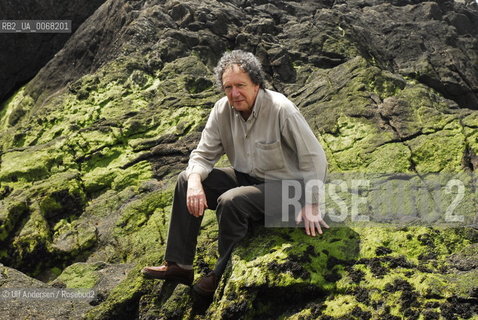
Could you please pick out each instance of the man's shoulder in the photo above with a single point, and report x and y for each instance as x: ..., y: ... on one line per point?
x: 221, y: 103
x: 276, y: 96
x: 221, y: 107
x: 280, y: 101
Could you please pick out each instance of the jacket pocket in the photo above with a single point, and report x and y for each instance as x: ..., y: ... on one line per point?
x: 269, y: 156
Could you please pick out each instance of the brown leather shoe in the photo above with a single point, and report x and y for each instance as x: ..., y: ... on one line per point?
x: 169, y: 271
x: 207, y: 285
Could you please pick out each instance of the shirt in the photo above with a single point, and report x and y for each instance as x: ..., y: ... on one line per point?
x: 275, y: 142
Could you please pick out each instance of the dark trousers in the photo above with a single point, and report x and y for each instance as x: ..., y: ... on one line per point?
x: 237, y: 198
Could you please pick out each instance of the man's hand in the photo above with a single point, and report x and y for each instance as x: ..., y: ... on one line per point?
x: 195, y: 196
x: 312, y: 218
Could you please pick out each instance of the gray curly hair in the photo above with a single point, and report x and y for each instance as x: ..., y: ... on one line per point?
x: 246, y: 61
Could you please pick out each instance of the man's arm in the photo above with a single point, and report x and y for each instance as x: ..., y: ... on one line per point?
x: 209, y: 148
x: 201, y: 162
x: 312, y: 165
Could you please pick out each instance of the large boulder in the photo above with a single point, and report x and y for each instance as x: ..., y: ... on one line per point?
x: 23, y: 54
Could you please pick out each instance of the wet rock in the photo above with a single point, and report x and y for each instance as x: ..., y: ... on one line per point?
x: 23, y: 297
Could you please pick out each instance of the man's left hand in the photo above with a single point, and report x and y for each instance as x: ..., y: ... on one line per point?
x: 312, y: 218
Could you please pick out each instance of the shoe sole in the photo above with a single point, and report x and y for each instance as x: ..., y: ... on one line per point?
x: 176, y: 279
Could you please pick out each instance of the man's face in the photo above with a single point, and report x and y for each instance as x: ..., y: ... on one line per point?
x: 239, y: 88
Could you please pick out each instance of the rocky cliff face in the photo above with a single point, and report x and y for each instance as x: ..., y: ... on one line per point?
x: 22, y: 55
x: 91, y: 146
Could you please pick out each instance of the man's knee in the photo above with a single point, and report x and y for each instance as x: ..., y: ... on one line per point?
x: 229, y: 199
x: 231, y: 216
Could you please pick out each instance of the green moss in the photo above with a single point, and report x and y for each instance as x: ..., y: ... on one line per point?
x: 58, y: 198
x: 389, y: 158
x: 80, y: 275
x: 71, y: 239
x: 143, y: 221
x: 132, y: 176
x: 427, y: 111
x: 285, y: 261
x: 440, y: 151
x: 124, y: 295
x: 462, y: 282
x: 389, y: 116
x: 93, y: 122
x: 410, y: 242
x: 140, y: 211
x: 385, y: 84
x: 351, y: 145
x: 61, y: 194
x: 177, y: 306
x: 400, y: 281
x: 31, y: 243
x: 28, y: 165
x: 35, y: 233
x: 14, y: 109
x: 11, y: 213
x: 341, y: 305
x: 49, y: 204
x: 99, y: 179
x: 339, y: 43
x: 470, y: 120
x: 55, y: 272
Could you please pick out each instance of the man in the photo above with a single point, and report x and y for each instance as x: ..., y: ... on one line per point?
x: 267, y: 141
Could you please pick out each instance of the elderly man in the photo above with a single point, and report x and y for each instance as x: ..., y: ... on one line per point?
x: 267, y: 141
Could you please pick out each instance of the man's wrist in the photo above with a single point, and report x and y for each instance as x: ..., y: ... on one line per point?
x: 194, y: 178
x: 311, y: 204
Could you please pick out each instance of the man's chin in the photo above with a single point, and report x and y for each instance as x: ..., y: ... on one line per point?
x: 241, y: 107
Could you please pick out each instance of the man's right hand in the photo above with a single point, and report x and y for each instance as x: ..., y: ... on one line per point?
x: 195, y: 196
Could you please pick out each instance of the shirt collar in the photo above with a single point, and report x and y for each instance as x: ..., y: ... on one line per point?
x: 258, y: 103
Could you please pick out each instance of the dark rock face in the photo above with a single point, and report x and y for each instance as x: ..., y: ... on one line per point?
x: 22, y: 55
x: 433, y: 42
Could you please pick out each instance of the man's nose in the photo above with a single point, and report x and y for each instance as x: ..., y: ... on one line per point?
x: 235, y: 91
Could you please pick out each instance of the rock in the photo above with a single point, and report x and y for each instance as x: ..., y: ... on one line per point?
x: 431, y: 51
x: 465, y: 259
x: 25, y: 297
x: 35, y: 50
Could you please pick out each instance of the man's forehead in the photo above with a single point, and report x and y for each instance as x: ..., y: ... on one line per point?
x: 234, y: 69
